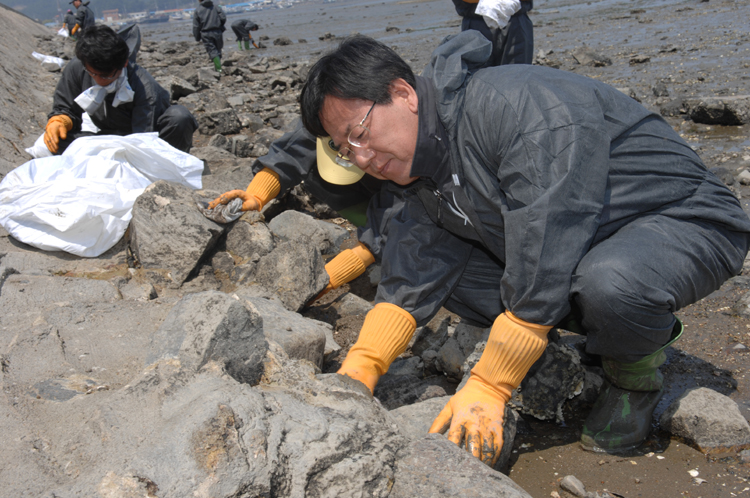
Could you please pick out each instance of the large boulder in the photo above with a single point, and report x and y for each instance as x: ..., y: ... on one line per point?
x: 168, y: 232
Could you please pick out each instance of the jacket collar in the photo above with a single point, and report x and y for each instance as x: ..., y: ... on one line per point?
x: 431, y: 158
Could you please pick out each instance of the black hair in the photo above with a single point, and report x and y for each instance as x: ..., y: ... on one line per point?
x: 360, y: 68
x: 102, y: 49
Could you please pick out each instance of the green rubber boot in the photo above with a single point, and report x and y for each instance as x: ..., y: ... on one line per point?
x: 239, y: 44
x: 621, y: 417
x: 217, y: 64
x: 247, y: 44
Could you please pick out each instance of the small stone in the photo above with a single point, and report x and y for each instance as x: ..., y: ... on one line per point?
x: 573, y: 485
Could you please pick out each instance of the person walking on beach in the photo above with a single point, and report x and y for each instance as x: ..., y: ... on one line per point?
x: 84, y: 16
x: 242, y: 29
x: 208, y: 27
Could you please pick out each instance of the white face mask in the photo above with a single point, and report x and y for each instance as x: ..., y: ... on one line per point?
x: 91, y: 99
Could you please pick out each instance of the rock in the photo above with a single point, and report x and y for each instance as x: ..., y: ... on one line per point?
x: 744, y: 177
x: 177, y: 87
x: 555, y: 377
x: 294, y: 272
x: 710, y: 421
x: 301, y: 338
x: 432, y: 336
x: 588, y: 57
x: 168, y: 232
x: 246, y: 239
x: 224, y: 122
x: 450, y: 358
x: 353, y: 305
x: 221, y: 142
x: 211, y: 326
x: 434, y: 466
x: 252, y: 122
x: 468, y: 336
x: 134, y: 291
x: 639, y: 59
x: 573, y: 485
x: 730, y: 111
x: 293, y: 226
x: 660, y: 90
x: 392, y: 29
x: 675, y: 107
x: 282, y: 40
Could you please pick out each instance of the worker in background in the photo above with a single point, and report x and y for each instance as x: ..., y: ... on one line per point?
x: 69, y: 21
x: 208, y: 27
x: 242, y: 29
x: 84, y: 16
x: 505, y: 23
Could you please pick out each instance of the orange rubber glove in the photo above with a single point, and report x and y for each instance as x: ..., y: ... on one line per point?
x: 345, y: 267
x: 385, y: 335
x: 75, y: 28
x: 57, y: 128
x: 263, y: 187
x: 475, y: 414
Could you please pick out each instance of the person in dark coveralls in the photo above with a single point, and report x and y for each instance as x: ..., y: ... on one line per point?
x: 84, y: 16
x: 242, y: 29
x: 69, y: 21
x: 512, y: 43
x: 532, y: 197
x: 120, y: 96
x: 208, y: 27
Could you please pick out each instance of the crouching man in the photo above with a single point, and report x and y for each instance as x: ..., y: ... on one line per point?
x: 120, y: 97
x: 531, y: 196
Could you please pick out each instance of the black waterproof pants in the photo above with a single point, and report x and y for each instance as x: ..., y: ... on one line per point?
x: 213, y: 41
x: 513, y: 44
x: 626, y: 288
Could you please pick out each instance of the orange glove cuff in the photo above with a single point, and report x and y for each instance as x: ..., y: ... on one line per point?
x: 75, y: 28
x: 348, y: 265
x: 384, y: 336
x: 513, y: 346
x: 63, y: 119
x: 264, y: 186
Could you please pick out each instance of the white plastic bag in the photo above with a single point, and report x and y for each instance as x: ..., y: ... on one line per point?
x: 63, y: 32
x: 81, y: 202
x: 496, y: 13
x: 48, y: 58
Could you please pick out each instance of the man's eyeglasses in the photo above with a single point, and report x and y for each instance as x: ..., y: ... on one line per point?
x: 358, y: 137
x: 112, y: 77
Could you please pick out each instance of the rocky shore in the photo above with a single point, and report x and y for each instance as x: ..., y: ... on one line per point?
x: 184, y: 361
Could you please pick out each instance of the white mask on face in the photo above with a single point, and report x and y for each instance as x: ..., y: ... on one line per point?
x: 91, y: 99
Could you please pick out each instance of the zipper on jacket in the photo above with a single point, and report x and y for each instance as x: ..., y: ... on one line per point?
x: 439, y: 207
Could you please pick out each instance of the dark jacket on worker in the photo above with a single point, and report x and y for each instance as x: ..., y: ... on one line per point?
x: 85, y: 16
x: 139, y: 116
x: 208, y: 18
x: 536, y: 166
x: 69, y: 21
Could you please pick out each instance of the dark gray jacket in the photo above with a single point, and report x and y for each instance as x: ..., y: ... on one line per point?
x: 208, y: 17
x: 536, y: 165
x: 85, y: 16
x: 139, y: 116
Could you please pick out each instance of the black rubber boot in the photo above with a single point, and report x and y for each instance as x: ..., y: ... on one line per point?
x: 621, y: 417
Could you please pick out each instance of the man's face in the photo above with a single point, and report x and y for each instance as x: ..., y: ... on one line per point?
x: 392, y: 135
x: 77, y: 3
x: 103, y: 79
